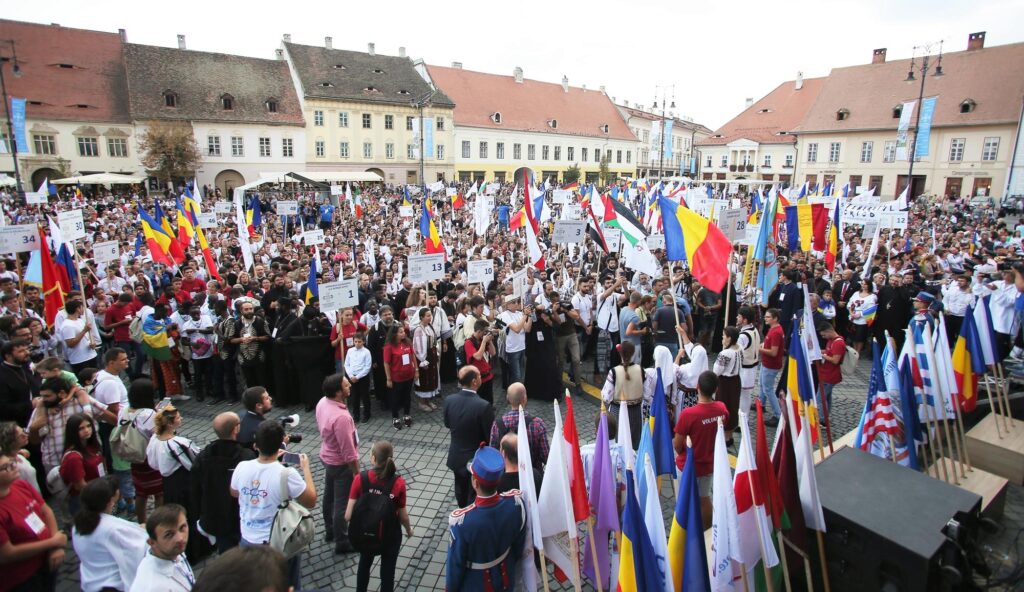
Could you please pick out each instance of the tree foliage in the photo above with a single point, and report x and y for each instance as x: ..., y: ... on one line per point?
x: 571, y: 174
x: 169, y: 150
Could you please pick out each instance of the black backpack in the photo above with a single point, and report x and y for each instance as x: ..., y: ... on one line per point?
x: 373, y: 517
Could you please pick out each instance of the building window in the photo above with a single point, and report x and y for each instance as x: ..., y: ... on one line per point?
x: 499, y: 150
x: 213, y: 145
x: 889, y: 151
x: 812, y: 152
x: 531, y: 152
x: 343, y: 150
x: 842, y: 114
x: 956, y: 149
x: 725, y: 160
x: 367, y: 150
x: 264, y: 147
x: 834, y: 151
x: 465, y: 149
x: 287, y: 148
x: 608, y: 155
x: 439, y: 149
x: 866, y: 151
x: 545, y: 152
x: 618, y: 157
x: 117, y: 147
x: 318, y: 118
x: 237, y: 146
x: 343, y: 119
x: 366, y: 121
x: 271, y: 105
x: 318, y: 147
x: 629, y: 156
x: 570, y: 153
x: 558, y: 153
x: 88, y: 147
x: 767, y: 161
x: 746, y: 159
x: 967, y: 106
x: 389, y: 150
x: 707, y: 163
x: 389, y: 122
x: 875, y: 183
x: 5, y: 144
x: 170, y: 99
x: 483, y: 149
x: 989, y: 152
x: 789, y: 161
x: 583, y: 154
x: 855, y: 182
x: 897, y: 111
x: 440, y: 124
x: 517, y: 151
x: 410, y: 151
x: 227, y: 102
x: 409, y: 123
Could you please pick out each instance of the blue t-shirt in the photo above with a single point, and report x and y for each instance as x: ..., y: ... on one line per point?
x: 326, y: 213
x: 626, y: 316
x: 503, y: 211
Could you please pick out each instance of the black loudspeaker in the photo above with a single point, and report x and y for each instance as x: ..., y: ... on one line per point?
x: 887, y: 526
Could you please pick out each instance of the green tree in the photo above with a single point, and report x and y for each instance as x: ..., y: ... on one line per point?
x: 603, y: 168
x: 169, y: 151
x: 571, y: 174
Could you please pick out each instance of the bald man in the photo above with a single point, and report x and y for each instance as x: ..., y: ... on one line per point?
x: 509, y: 422
x: 509, y: 447
x: 211, y: 482
x: 469, y: 419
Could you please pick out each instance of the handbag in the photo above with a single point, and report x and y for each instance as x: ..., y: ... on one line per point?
x: 292, y: 530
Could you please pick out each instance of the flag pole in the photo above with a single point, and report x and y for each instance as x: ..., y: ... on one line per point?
x: 743, y: 576
x: 995, y: 412
x: 675, y: 305
x: 807, y: 562
x: 785, y: 562
x: 1005, y: 387
x: 728, y: 288
x: 956, y: 438
x: 892, y: 447
x: 821, y: 539
x: 937, y: 453
x: 760, y: 528
x: 1004, y: 409
x: 593, y: 549
x: 544, y: 570
x: 949, y: 446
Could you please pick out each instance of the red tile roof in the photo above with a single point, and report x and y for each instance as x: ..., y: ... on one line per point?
x: 649, y: 116
x: 529, y: 105
x: 64, y: 68
x: 779, y: 111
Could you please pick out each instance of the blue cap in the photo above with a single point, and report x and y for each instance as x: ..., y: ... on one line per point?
x: 925, y: 297
x: 488, y: 466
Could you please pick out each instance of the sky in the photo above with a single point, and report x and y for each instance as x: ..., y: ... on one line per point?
x: 710, y: 56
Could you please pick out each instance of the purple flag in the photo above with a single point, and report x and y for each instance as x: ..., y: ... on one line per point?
x: 603, y: 506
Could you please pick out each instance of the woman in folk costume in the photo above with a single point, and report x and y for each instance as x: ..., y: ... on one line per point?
x: 664, y: 365
x: 625, y: 386
x: 424, y: 345
x: 688, y: 373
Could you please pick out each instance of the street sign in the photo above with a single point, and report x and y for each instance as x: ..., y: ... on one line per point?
x: 313, y: 237
x: 223, y: 207
x: 207, y: 220
x: 480, y: 272
x: 72, y: 226
x: 613, y: 236
x: 288, y: 207
x: 19, y: 238
x: 105, y: 251
x: 423, y: 268
x: 35, y: 198
x: 338, y: 295
x: 569, y: 232
x: 655, y: 241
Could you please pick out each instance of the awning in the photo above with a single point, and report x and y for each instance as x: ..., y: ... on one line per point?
x: 322, y: 176
x: 101, y: 179
x: 7, y: 181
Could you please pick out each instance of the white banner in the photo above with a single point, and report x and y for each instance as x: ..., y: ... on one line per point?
x: 207, y: 220
x: 562, y: 196
x: 861, y: 213
x: 902, y: 130
x: 33, y: 198
x: 613, y: 237
x: 19, y: 238
x: 313, y: 237
x: 105, y: 251
x: 288, y: 207
x: 338, y: 295
x: 655, y: 241
x: 569, y: 232
x: 480, y: 272
x: 71, y: 225
x: 222, y: 207
x: 423, y: 268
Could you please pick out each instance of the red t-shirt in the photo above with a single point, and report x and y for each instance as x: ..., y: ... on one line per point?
x: 700, y: 423
x: 483, y: 365
x: 22, y: 521
x: 774, y: 338
x: 116, y: 313
x: 193, y: 286
x: 402, y: 361
x: 397, y: 489
x: 349, y: 331
x: 828, y: 372
x: 74, y: 467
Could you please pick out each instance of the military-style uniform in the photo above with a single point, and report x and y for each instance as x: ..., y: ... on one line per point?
x: 925, y: 316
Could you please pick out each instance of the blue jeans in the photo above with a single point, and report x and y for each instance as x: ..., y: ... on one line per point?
x: 294, y: 565
x: 515, y: 365
x: 827, y: 390
x: 766, y: 393
x: 673, y: 347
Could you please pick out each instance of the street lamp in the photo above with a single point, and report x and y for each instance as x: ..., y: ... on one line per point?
x: 16, y: 70
x: 661, y: 149
x: 420, y: 104
x: 920, y: 98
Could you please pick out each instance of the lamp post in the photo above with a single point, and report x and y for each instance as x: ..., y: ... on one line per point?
x: 420, y: 104
x: 920, y: 99
x: 661, y: 149
x: 16, y: 70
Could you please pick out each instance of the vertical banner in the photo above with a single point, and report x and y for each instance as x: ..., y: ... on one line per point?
x: 667, y: 142
x: 924, y: 127
x: 901, y: 131
x: 428, y: 136
x: 655, y: 136
x: 416, y: 138
x: 18, y: 122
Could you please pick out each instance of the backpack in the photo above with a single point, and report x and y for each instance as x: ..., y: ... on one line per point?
x: 850, y: 360
x: 373, y: 516
x: 135, y: 329
x: 292, y: 529
x: 127, y: 442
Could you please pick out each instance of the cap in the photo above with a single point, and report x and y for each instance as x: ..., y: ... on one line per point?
x: 924, y: 297
x: 511, y: 298
x: 487, y: 465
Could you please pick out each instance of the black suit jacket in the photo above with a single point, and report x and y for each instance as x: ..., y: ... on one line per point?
x: 469, y: 418
x: 792, y: 301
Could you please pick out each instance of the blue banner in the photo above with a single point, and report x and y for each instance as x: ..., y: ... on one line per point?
x: 666, y: 140
x: 428, y: 137
x: 924, y: 128
x: 18, y: 122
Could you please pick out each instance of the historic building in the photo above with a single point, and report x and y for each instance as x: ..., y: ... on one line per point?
x: 504, y: 123
x: 655, y: 159
x: 365, y: 112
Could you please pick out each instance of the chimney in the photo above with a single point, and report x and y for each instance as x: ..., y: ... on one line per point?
x: 976, y: 41
x: 457, y: 65
x: 749, y: 103
x: 181, y: 42
x: 123, y: 34
x: 799, y: 81
x: 518, y: 74
x: 279, y: 54
x: 601, y: 88
x: 329, y: 42
x: 401, y: 52
x: 371, y: 49
x: 878, y: 57
x: 287, y: 37
x: 565, y: 84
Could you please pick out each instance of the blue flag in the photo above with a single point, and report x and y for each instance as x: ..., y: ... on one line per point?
x: 664, y: 454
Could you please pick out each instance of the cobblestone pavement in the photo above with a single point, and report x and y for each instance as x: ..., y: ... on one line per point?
x: 421, y: 452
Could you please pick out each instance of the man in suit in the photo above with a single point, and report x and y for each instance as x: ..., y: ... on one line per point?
x: 791, y: 300
x: 841, y: 293
x: 469, y: 419
x: 886, y: 300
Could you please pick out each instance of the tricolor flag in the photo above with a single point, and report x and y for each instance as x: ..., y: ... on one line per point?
x: 154, y: 338
x: 311, y: 290
x: 577, y: 482
x: 687, y: 555
x: 638, y: 568
x: 532, y: 230
x: 800, y: 385
x: 175, y: 250
x: 834, y: 233
x: 805, y: 227
x: 53, y: 291
x: 694, y: 239
x: 574, y: 186
x: 457, y: 201
x: 968, y: 363
x: 211, y: 266
x: 254, y: 216
x: 186, y: 224
x: 158, y: 241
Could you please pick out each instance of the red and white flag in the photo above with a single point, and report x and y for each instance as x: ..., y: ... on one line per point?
x: 532, y: 230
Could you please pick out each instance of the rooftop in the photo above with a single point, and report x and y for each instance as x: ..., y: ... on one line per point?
x: 769, y: 120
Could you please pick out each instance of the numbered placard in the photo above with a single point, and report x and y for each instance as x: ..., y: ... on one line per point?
x: 19, y: 238
x: 572, y: 212
x: 405, y: 211
x: 480, y: 272
x: 733, y: 223
x: 313, y: 237
x: 72, y: 226
x: 562, y: 196
x: 655, y: 241
x: 35, y: 198
x: 105, y: 251
x: 897, y: 220
x: 569, y: 232
x: 337, y: 190
x: 450, y: 191
x: 223, y: 207
x: 870, y: 227
x: 338, y: 295
x: 288, y: 207
x: 207, y: 220
x: 423, y: 268
x: 613, y: 237
x: 519, y: 283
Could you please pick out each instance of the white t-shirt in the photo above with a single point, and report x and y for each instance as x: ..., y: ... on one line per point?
x: 608, y: 313
x: 83, y: 350
x: 110, y: 554
x: 110, y: 390
x: 167, y: 456
x: 514, y: 342
x: 201, y: 343
x: 259, y: 493
x: 160, y: 575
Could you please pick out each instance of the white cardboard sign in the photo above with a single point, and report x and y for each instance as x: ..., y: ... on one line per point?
x: 480, y: 272
x: 338, y: 295
x: 105, y: 251
x: 562, y: 196
x: 19, y: 238
x: 72, y: 226
x: 207, y: 220
x: 35, y: 198
x: 223, y: 207
x: 613, y: 236
x: 733, y: 223
x: 313, y: 237
x: 405, y: 211
x: 423, y: 268
x: 337, y: 190
x: 569, y: 232
x: 655, y: 241
x: 288, y: 207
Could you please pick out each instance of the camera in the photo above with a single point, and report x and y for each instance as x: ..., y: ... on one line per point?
x: 499, y: 325
x: 292, y: 421
x: 565, y: 304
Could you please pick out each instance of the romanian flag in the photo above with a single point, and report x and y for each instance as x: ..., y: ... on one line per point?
x: 869, y: 313
x: 805, y: 227
x: 158, y: 241
x: 53, y: 292
x: 458, y: 201
x: 832, y: 246
x: 431, y: 240
x: 186, y: 224
x: 799, y: 383
x: 78, y: 190
x: 191, y: 203
x: 687, y: 555
x: 211, y: 265
x: 174, y: 249
x: 154, y: 338
x: 253, y: 216
x: 405, y: 196
x: 311, y: 290
x: 638, y: 568
x: 692, y: 238
x: 968, y: 364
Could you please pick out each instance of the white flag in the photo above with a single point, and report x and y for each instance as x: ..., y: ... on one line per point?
x: 526, y: 486
x: 555, y: 504
x: 814, y: 518
x: 243, y: 230
x: 755, y: 529
x: 655, y: 522
x: 725, y: 539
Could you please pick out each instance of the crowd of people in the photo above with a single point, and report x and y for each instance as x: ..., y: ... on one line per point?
x: 90, y: 396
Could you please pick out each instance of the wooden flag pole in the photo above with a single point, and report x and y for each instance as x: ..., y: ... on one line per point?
x: 785, y: 562
x: 1004, y: 409
x: 675, y: 304
x: 760, y: 529
x: 949, y: 445
x: 21, y: 278
x: 743, y: 576
x: 937, y: 452
x: 821, y: 539
x: 961, y: 435
x: 957, y: 439
x: 807, y: 561
x: 1004, y: 389
x: 988, y: 389
x: 593, y: 550
x: 728, y: 289
x: 892, y: 447
x: 574, y: 545
x: 544, y: 571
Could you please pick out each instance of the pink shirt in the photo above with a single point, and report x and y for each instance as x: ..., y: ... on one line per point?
x: 339, y: 442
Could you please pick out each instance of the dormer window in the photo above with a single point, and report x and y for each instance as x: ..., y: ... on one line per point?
x: 496, y: 117
x: 897, y: 111
x: 339, y: 66
x: 271, y: 105
x: 227, y: 102
x: 403, y: 92
x: 371, y: 89
x: 553, y: 123
x: 967, y: 106
x: 378, y: 71
x: 326, y: 84
x: 170, y: 99
x: 66, y: 66
x: 765, y: 110
x: 842, y: 114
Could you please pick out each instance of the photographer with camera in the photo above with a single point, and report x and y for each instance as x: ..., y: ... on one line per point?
x: 258, y: 402
x: 515, y: 322
x: 479, y: 349
x: 609, y: 301
x: 567, y: 319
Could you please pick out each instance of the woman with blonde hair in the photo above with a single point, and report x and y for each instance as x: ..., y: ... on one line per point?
x: 172, y: 455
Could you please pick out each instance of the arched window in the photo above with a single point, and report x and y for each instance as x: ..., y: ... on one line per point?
x: 967, y: 105
x: 170, y: 99
x: 271, y: 105
x: 227, y: 102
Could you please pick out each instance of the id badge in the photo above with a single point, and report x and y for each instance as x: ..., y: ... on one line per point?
x: 35, y: 523
x: 405, y: 359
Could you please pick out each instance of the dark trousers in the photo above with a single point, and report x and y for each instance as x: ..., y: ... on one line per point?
x: 226, y: 543
x: 229, y: 385
x: 42, y: 581
x: 204, y: 377
x: 388, y: 561
x: 464, y: 494
x: 76, y: 368
x: 135, y: 353
x: 486, y: 391
x: 254, y: 374
x: 359, y: 399
x: 337, y: 483
x: 953, y: 324
x: 400, y: 397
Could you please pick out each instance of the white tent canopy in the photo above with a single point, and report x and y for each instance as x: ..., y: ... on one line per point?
x: 101, y: 179
x: 322, y: 176
x: 7, y: 181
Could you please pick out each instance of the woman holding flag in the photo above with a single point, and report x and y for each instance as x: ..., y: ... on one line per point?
x: 862, y: 307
